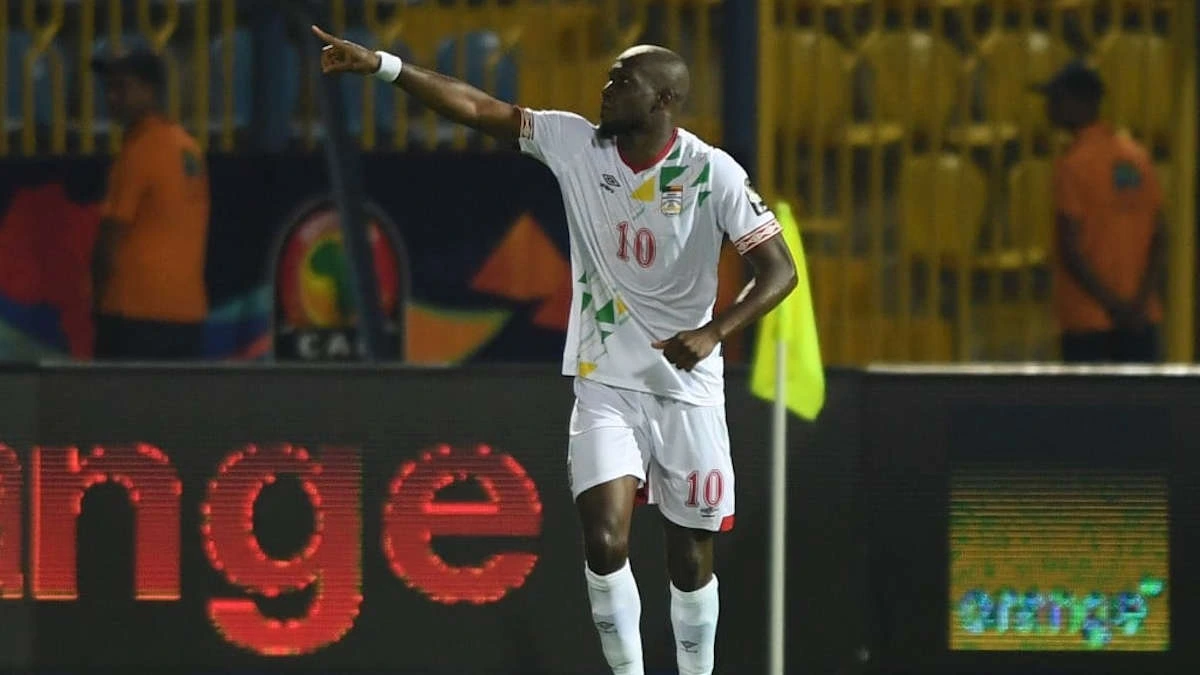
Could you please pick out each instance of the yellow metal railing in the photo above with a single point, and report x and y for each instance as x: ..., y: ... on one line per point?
x: 557, y: 50
x: 60, y: 107
x: 41, y: 49
x: 920, y: 162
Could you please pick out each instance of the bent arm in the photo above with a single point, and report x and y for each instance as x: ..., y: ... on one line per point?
x: 1155, y: 265
x: 1077, y: 266
x: 774, y: 279
x: 102, y: 256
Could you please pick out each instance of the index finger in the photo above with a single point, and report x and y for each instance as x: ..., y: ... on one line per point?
x: 329, y: 39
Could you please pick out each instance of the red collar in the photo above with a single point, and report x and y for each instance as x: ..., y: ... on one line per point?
x: 638, y: 168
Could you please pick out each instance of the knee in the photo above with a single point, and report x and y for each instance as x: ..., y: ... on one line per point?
x: 689, y: 567
x: 607, y: 548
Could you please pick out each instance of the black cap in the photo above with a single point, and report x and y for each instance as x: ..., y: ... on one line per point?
x: 142, y: 64
x: 1076, y: 79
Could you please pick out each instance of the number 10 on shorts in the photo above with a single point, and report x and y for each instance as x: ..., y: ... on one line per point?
x: 714, y: 488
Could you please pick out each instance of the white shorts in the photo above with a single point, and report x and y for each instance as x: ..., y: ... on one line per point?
x: 679, y: 452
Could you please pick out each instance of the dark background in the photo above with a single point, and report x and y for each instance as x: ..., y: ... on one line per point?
x: 921, y: 427
x: 867, y: 520
x: 197, y: 416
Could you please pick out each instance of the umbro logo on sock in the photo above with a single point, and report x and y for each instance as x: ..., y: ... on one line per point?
x: 606, y: 627
x: 689, y: 646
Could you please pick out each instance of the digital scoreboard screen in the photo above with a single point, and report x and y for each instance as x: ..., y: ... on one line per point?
x: 1058, y: 559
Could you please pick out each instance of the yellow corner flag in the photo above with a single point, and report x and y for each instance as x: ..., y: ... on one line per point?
x: 793, y: 323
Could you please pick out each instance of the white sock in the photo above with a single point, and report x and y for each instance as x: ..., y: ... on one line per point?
x: 617, y: 612
x: 694, y: 618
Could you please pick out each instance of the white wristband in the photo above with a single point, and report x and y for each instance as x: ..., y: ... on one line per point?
x: 389, y: 67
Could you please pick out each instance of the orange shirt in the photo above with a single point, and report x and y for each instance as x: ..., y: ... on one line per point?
x: 1106, y: 182
x: 158, y: 194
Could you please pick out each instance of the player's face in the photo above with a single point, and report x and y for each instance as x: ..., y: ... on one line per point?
x: 626, y: 101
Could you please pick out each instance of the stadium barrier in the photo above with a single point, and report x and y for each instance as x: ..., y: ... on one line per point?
x: 921, y: 164
x: 384, y: 440
x: 190, y: 518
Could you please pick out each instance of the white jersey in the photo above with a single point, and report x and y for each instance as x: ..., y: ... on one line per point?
x: 645, y: 243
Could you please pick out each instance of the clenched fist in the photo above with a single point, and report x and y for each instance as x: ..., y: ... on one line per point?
x: 343, y: 56
x: 690, y: 347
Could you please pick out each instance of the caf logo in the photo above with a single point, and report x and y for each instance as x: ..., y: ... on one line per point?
x: 315, y: 314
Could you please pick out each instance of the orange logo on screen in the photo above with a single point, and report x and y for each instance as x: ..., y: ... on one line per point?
x: 330, y: 566
x: 313, y: 279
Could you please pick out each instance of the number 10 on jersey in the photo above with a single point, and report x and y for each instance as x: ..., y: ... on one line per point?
x: 643, y: 244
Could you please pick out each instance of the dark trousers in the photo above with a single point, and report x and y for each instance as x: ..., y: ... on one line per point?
x: 1114, y: 346
x: 124, y: 339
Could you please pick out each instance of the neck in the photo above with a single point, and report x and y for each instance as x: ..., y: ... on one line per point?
x: 643, y: 147
x: 1080, y: 127
x: 137, y: 118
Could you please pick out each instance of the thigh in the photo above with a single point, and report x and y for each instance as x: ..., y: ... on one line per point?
x: 1091, y: 347
x: 114, y: 338
x: 164, y: 340
x: 690, y: 475
x: 605, y: 442
x: 106, y: 339
x: 601, y: 455
x: 1138, y: 346
x: 181, y: 341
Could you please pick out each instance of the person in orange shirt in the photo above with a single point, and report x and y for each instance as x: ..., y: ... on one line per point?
x: 148, y: 265
x: 1111, y: 237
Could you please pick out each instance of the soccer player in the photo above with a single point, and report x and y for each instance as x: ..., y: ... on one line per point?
x: 647, y: 205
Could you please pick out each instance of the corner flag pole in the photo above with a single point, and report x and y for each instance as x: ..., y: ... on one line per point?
x: 775, y: 619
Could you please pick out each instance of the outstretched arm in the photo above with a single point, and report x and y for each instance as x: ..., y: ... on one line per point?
x: 453, y: 99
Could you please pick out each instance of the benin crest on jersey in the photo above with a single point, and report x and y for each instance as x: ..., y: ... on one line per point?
x: 672, y: 200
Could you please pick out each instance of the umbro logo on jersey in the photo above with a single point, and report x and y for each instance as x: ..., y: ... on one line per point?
x: 610, y: 182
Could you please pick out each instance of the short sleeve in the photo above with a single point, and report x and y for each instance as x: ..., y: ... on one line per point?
x: 741, y: 213
x: 129, y: 180
x: 1068, y: 199
x: 550, y: 135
